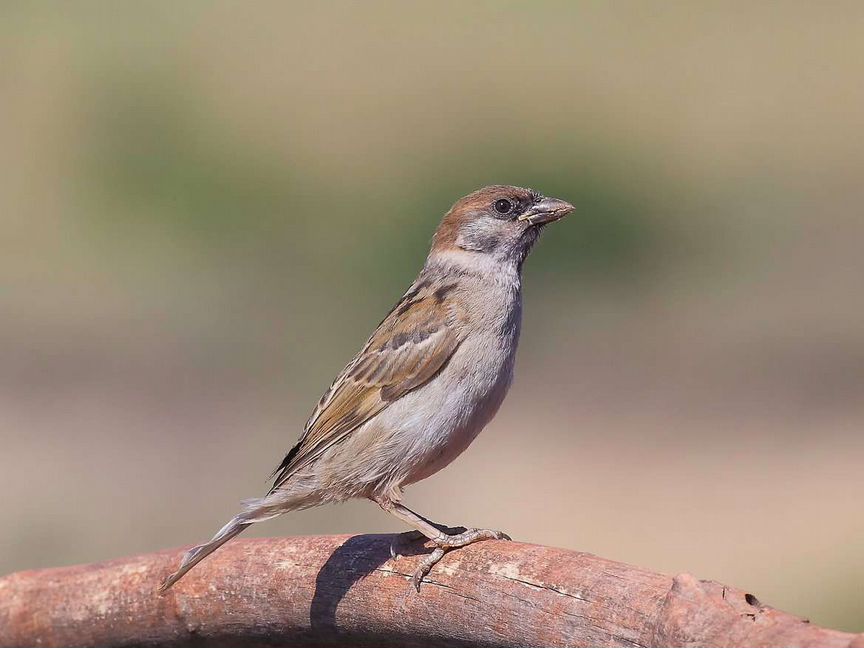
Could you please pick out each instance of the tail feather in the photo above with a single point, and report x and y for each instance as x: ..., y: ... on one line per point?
x: 254, y: 510
x: 195, y: 555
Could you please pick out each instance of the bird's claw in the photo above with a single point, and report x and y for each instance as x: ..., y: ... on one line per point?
x: 448, y: 542
x: 402, y: 539
x: 427, y: 565
x: 470, y: 536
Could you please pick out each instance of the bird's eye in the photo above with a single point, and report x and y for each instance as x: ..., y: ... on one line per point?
x: 503, y: 206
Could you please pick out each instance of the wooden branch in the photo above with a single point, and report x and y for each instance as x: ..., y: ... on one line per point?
x: 341, y: 590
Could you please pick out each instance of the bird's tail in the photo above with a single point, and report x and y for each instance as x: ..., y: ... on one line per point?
x: 195, y: 555
x: 254, y: 510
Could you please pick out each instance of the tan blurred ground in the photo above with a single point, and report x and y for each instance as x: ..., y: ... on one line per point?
x: 207, y: 207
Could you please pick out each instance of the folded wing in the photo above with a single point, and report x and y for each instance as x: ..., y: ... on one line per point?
x: 408, y: 348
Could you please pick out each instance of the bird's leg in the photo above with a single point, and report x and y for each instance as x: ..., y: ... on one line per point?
x: 438, y: 535
x: 413, y: 536
x: 408, y: 537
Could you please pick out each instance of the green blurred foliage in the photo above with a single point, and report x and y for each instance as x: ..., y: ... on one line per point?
x: 155, y: 158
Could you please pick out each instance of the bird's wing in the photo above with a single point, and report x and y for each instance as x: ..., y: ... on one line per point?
x: 408, y: 348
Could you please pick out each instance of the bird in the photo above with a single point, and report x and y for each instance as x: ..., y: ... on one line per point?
x: 430, y: 377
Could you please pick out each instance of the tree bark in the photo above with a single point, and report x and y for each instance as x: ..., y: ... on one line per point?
x: 343, y: 590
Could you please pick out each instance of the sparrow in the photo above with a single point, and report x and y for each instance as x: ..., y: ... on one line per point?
x: 428, y: 380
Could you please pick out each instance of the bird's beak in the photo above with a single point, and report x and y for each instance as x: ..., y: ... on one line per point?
x: 547, y: 210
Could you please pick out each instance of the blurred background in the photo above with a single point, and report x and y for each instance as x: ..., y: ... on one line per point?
x: 207, y: 207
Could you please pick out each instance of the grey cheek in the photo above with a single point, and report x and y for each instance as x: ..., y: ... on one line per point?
x: 479, y: 240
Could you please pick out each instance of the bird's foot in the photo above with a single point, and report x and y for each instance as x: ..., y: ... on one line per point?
x: 445, y: 542
x: 469, y: 536
x: 399, y: 546
x: 426, y: 566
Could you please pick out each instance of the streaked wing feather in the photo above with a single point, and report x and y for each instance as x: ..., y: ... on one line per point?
x: 406, y: 350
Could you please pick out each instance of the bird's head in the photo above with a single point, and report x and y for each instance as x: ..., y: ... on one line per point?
x: 499, y: 221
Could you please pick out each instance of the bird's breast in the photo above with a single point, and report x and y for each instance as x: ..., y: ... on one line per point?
x: 437, y: 422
